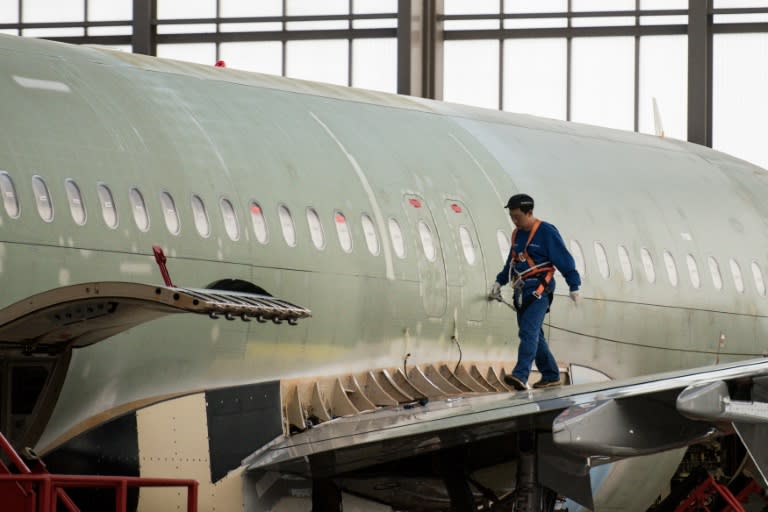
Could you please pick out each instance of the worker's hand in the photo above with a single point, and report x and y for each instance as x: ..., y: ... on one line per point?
x: 575, y: 297
x: 495, y: 293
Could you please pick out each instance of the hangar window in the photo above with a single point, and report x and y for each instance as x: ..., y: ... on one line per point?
x: 200, y: 216
x: 76, y: 204
x: 693, y: 271
x: 140, y: 214
x: 602, y: 260
x: 757, y: 273
x: 427, y: 243
x: 650, y: 271
x: 228, y: 215
x: 396, y: 234
x: 10, y: 202
x: 669, y: 263
x: 315, y: 228
x: 578, y: 257
x: 714, y: 271
x: 43, y: 198
x: 738, y: 281
x: 286, y: 224
x: 342, y: 229
x: 468, y: 245
x: 626, y: 265
x: 259, y: 223
x: 371, y: 238
x: 108, y: 208
x: 503, y: 241
x: 170, y: 213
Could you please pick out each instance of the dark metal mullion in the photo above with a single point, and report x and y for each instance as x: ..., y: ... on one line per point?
x: 578, y: 14
x: 620, y: 30
x: 292, y: 35
x: 66, y: 24
x: 501, y: 57
x: 568, y: 70
x: 636, y: 125
x: 217, y: 57
x: 284, y: 43
x: 275, y: 19
x: 85, y: 17
x: 349, y: 47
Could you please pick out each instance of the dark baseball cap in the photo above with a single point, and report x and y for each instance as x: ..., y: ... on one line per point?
x: 519, y: 200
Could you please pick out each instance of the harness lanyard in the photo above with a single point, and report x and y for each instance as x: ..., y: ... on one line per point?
x: 545, y: 268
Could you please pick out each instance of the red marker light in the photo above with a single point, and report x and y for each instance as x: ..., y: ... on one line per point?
x: 340, y: 218
x: 220, y: 64
x: 456, y: 208
x: 415, y: 203
x: 255, y: 209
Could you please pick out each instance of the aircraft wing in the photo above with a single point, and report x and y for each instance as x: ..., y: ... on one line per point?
x: 582, y: 425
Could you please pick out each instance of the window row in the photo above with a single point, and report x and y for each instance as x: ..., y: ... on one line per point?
x: 649, y: 269
x: 109, y: 212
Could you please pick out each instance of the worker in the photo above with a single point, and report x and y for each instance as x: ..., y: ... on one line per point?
x: 537, y: 250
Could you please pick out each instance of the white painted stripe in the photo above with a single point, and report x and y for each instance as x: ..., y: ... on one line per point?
x: 371, y: 198
x: 45, y: 85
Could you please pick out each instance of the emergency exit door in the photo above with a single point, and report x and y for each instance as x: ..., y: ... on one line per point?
x: 428, y: 255
x: 465, y: 266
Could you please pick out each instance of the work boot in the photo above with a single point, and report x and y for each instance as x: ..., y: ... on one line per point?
x: 548, y: 384
x: 511, y: 380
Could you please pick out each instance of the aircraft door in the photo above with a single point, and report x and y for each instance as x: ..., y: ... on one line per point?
x: 428, y: 253
x: 467, y: 269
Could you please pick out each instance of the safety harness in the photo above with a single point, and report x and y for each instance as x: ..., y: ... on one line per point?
x: 543, y: 271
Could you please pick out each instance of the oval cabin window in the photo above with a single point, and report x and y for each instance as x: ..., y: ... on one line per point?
x: 602, y: 260
x: 315, y: 228
x: 669, y: 263
x: 10, y: 201
x: 76, y: 206
x: 170, y: 213
x: 714, y: 272
x: 42, y: 198
x: 396, y: 235
x: 108, y: 208
x: 468, y: 245
x: 342, y: 229
x: 427, y: 242
x: 371, y: 238
x: 738, y: 280
x: 231, y: 225
x: 757, y: 274
x: 259, y: 223
x: 650, y: 270
x: 625, y: 263
x: 693, y: 271
x: 286, y: 224
x: 578, y: 257
x: 200, y: 217
x: 140, y: 215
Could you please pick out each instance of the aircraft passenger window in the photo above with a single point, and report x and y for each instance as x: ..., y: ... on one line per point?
x: 759, y: 281
x: 396, y: 234
x: 738, y: 281
x: 669, y: 263
x: 578, y: 257
x: 342, y: 229
x: 230, y: 219
x: 626, y: 265
x: 468, y: 245
x: 200, y: 216
x: 371, y: 239
x: 170, y: 213
x: 259, y: 224
x: 650, y: 271
x: 315, y: 228
x: 286, y: 223
x: 693, y: 271
x: 714, y: 270
x: 504, y: 243
x: 602, y: 260
x: 9, y: 195
x: 76, y: 206
x: 426, y: 241
x: 140, y: 214
x: 43, y: 199
x: 108, y: 209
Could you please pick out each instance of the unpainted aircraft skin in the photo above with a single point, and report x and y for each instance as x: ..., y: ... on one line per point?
x: 103, y: 117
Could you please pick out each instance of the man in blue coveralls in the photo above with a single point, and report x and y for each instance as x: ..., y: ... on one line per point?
x: 537, y: 249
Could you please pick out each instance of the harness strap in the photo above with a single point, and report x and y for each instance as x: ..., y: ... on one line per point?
x: 543, y: 268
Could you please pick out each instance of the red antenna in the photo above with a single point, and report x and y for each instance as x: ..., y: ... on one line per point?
x: 220, y: 64
x: 161, y: 259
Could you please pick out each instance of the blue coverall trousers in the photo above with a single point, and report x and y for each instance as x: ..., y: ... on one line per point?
x: 533, y: 344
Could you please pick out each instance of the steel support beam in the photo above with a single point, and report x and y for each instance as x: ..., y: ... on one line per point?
x: 144, y: 39
x: 700, y: 72
x: 420, y: 48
